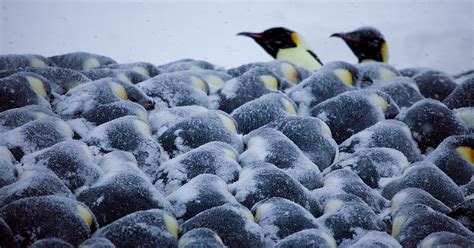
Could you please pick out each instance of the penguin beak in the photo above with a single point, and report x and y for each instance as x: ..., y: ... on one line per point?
x: 344, y: 36
x: 340, y: 35
x: 255, y: 36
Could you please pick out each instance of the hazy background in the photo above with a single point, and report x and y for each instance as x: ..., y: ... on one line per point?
x: 438, y: 34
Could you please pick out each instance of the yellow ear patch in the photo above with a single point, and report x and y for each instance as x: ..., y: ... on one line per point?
x: 428, y: 243
x: 171, y: 224
x: 90, y: 63
x: 228, y: 122
x: 262, y: 209
x: 5, y: 153
x: 332, y: 206
x: 398, y: 198
x: 119, y: 90
x: 36, y: 85
x: 329, y: 239
x: 386, y: 74
x: 38, y: 63
x: 289, y: 107
x: 214, y: 81
x: 182, y: 241
x: 269, y: 81
x: 143, y: 115
x: 414, y: 86
x: 40, y: 115
x: 247, y: 214
x: 218, y: 238
x: 195, y: 68
x: 467, y: 116
x: 123, y: 77
x: 198, y: 83
x: 26, y: 174
x: 253, y: 141
x: 289, y: 72
x: 245, y: 172
x: 230, y: 154
x: 142, y: 127
x: 141, y: 70
x: 325, y: 128
x: 87, y: 151
x: 466, y: 153
x: 336, y: 157
x: 384, y: 52
x: 66, y: 128
x: 222, y: 185
x: 379, y: 101
x: 85, y: 214
x: 397, y: 225
x: 295, y: 38
x: 344, y: 75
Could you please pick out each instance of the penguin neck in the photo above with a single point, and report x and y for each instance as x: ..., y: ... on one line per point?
x: 300, y: 56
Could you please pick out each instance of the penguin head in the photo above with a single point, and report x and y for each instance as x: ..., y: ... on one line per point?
x: 274, y: 39
x: 367, y: 43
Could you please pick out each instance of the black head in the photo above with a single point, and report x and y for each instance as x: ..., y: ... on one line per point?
x: 367, y: 43
x: 274, y: 39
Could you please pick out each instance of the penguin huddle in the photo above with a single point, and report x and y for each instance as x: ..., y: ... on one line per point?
x: 95, y: 153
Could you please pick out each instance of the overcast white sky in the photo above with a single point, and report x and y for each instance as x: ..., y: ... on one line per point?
x: 438, y: 34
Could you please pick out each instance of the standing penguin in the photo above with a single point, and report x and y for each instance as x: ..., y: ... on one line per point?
x: 284, y: 44
x: 367, y: 44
